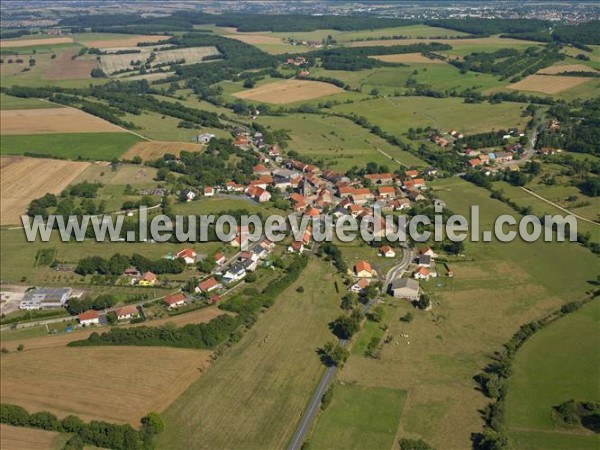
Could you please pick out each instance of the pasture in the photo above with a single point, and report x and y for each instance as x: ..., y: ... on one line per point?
x: 559, y: 363
x: 52, y: 120
x: 99, y: 383
x: 495, y: 289
x: 261, y: 385
x: 24, y: 179
x: 150, y: 150
x: 94, y: 146
x: 10, y: 102
x: 359, y: 417
x: 397, y: 114
x: 20, y: 438
x: 339, y: 142
x: 288, y: 91
x: 548, y: 84
x: 560, y: 68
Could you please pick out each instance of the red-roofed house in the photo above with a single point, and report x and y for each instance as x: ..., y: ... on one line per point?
x: 209, y: 191
x: 299, y: 202
x: 387, y: 251
x: 362, y: 196
x: 208, y: 285
x: 380, y: 178
x: 363, y: 269
x: 386, y: 191
x: 220, y: 259
x: 127, y: 312
x: 296, y: 247
x: 258, y: 194
x: 187, y: 254
x: 359, y: 286
x: 411, y: 173
x: 148, y: 279
x: 260, y: 170
x: 175, y: 300
x: 89, y: 318
x: 416, y: 183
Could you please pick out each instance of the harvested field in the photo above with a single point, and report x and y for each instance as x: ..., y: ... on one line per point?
x: 6, y: 69
x: 34, y: 42
x: 148, y: 150
x: 52, y: 120
x: 132, y: 41
x: 63, y: 67
x: 547, y: 84
x: 104, y: 383
x: 407, y: 58
x: 560, y: 68
x: 20, y: 438
x: 288, y: 91
x: 23, y: 179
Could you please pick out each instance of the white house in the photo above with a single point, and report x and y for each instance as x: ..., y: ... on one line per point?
x: 235, y: 273
x: 187, y: 254
x: 387, y: 251
x: 89, y: 318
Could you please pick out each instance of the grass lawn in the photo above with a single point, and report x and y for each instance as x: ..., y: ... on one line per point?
x: 97, y: 146
x: 337, y: 141
x: 359, y: 417
x: 496, y: 289
x: 263, y: 383
x: 559, y: 363
x: 10, y: 102
x: 397, y: 114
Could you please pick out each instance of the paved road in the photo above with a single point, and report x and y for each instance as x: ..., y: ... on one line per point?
x: 315, y: 402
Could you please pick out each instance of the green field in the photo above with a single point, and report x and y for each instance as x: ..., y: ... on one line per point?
x: 397, y: 114
x: 495, y: 289
x: 358, y: 418
x: 559, y: 363
x: 337, y: 141
x: 10, y: 102
x: 96, y: 146
x: 261, y: 385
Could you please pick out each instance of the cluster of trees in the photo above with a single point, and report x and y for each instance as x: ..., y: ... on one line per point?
x: 509, y: 62
x: 333, y: 253
x: 574, y: 412
x: 334, y: 354
x: 213, y: 166
x: 481, y: 140
x: 493, y: 379
x: 347, y: 325
x: 77, y: 200
x: 204, y: 335
x: 488, y: 27
x: 117, y: 264
x: 77, y: 306
x: 357, y: 58
x: 579, y: 128
x: 95, y: 433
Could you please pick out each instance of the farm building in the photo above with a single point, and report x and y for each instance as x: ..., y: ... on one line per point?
x: 405, y: 288
x: 45, y: 298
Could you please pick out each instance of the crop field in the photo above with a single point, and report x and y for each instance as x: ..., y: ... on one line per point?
x: 108, y: 40
x: 64, y: 67
x: 23, y: 179
x: 548, y: 84
x: 434, y: 357
x: 52, y: 120
x: 288, y: 91
x: 10, y: 102
x: 398, y: 114
x: 149, y: 150
x: 338, y: 141
x: 14, y: 43
x: 408, y: 58
x: 20, y: 438
x: 259, y: 384
x: 94, y: 146
x: 113, y: 63
x: 564, y: 350
x: 103, y: 383
x: 359, y: 417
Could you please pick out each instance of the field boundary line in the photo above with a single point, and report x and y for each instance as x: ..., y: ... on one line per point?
x: 118, y: 126
x: 585, y: 219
